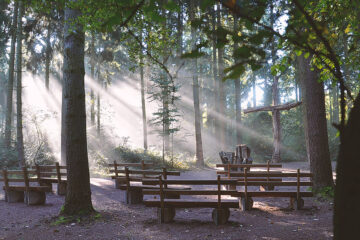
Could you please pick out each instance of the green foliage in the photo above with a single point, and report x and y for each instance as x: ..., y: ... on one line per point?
x: 326, y: 193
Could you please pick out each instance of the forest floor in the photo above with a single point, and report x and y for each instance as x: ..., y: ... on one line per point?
x: 271, y: 218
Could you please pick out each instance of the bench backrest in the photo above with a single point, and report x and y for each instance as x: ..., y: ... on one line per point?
x: 134, y: 175
x: 18, y: 176
x: 142, y: 165
x: 298, y: 175
x: 55, y: 171
x: 163, y: 184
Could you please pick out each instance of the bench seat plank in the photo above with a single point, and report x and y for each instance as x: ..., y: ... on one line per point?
x: 275, y: 194
x: 190, y: 203
x: 250, y: 182
x: 31, y: 188
x: 189, y: 192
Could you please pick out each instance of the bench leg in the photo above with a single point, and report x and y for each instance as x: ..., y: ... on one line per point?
x: 296, y: 204
x: 134, y: 196
x: 118, y: 183
x: 220, y: 216
x: 168, y: 215
x: 172, y: 196
x: 246, y: 204
x: 46, y: 184
x: 14, y: 196
x: 61, y: 188
x: 35, y: 198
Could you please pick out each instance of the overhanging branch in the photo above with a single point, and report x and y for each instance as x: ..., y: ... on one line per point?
x: 286, y: 106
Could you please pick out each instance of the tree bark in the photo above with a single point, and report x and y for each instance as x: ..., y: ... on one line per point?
x: 10, y: 85
x: 198, y: 138
x: 315, y: 126
x: 347, y: 196
x: 19, y: 121
x: 215, y: 107
x: 254, y: 89
x: 48, y: 53
x: 98, y: 112
x: 275, y: 100
x: 237, y: 93
x: 285, y: 106
x: 221, y: 67
x: 78, y: 196
x: 92, y: 74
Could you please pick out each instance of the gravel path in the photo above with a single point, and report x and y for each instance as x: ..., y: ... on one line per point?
x: 270, y: 219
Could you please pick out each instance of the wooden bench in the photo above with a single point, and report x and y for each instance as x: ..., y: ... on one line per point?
x: 33, y: 195
x: 131, y: 182
x: 118, y: 181
x: 166, y: 207
x: 233, y: 174
x: 49, y: 174
x: 296, y: 196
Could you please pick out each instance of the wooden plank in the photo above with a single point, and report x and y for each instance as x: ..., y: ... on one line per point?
x: 250, y: 165
x: 272, y: 183
x: 265, y: 174
x: 20, y: 172
x: 130, y: 164
x: 191, y: 182
x: 30, y: 188
x: 226, y: 173
x: 21, y: 180
x: 257, y: 179
x: 188, y: 203
x: 274, y: 194
x: 148, y: 172
x: 136, y: 179
x: 155, y: 191
x: 48, y: 167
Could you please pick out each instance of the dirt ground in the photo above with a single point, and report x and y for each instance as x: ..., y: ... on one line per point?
x: 271, y: 218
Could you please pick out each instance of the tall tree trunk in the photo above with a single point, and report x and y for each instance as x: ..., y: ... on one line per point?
x: 215, y: 107
x: 221, y: 67
x: 19, y: 121
x: 276, y: 123
x: 254, y: 89
x: 198, y: 139
x: 347, y: 196
x: 78, y: 196
x: 92, y: 73
x: 143, y: 103
x: 48, y: 53
x: 10, y: 86
x: 237, y: 93
x: 275, y: 101
x: 315, y: 126
x: 336, y: 104
x: 98, y: 112
x: 179, y: 31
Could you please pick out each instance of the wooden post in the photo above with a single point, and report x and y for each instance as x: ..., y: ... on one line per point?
x: 228, y: 170
x: 38, y: 172
x: 115, y: 169
x: 127, y: 179
x: 6, y: 179
x: 298, y: 185
x: 161, y: 200
x: 26, y: 179
x: 268, y: 171
x: 143, y: 167
x: 58, y: 173
x: 165, y: 176
x: 219, y: 192
x: 245, y: 176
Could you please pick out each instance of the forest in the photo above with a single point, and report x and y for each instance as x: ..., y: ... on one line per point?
x: 177, y: 89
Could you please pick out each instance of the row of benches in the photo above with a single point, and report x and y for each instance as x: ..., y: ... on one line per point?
x: 168, y: 193
x: 30, y: 185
